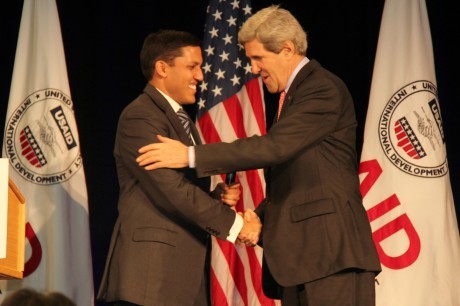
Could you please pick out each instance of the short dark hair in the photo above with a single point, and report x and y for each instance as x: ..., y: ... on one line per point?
x: 164, y: 45
x: 25, y: 297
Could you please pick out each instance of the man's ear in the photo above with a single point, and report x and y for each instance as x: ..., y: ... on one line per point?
x: 288, y: 49
x: 161, y: 68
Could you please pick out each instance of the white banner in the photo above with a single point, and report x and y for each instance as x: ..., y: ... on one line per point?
x: 42, y: 144
x: 404, y: 170
x: 3, y: 205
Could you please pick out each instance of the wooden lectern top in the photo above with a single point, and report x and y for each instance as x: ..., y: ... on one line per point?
x: 12, y: 267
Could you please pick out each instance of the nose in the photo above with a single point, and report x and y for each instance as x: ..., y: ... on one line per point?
x: 255, y: 68
x: 199, y: 75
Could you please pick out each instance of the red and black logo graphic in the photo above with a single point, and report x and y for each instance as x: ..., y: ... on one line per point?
x: 410, y: 131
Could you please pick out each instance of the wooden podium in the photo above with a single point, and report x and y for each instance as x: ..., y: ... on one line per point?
x: 12, y: 267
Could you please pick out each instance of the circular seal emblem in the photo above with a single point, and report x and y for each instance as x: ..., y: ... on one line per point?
x: 411, y: 133
x: 41, y: 138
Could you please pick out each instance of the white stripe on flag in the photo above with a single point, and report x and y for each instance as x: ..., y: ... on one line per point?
x: 42, y: 144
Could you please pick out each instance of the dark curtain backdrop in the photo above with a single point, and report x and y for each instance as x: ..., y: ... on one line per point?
x: 102, y: 40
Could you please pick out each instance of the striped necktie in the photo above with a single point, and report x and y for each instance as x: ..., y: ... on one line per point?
x: 185, y: 120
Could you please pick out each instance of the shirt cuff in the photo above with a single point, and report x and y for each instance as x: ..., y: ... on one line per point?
x: 191, y: 157
x: 236, y: 228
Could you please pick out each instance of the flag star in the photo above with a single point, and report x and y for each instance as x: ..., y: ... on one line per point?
x: 235, y: 4
x: 201, y: 103
x: 204, y: 86
x: 247, y: 10
x: 237, y: 62
x: 220, y: 74
x: 235, y: 80
x: 221, y: 33
x: 209, y: 50
x: 207, y: 68
x: 217, y: 91
x: 227, y: 39
x: 231, y: 21
x: 224, y: 56
x: 214, y: 32
x: 217, y: 15
x: 247, y: 68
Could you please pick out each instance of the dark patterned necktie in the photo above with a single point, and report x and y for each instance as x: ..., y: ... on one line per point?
x: 185, y: 120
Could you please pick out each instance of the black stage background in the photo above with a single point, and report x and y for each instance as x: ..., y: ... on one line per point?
x: 102, y: 40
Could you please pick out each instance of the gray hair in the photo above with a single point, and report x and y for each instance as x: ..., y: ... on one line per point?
x: 272, y: 26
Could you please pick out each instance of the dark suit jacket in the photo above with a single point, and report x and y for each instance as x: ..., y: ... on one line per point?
x: 314, y: 222
x: 159, y: 243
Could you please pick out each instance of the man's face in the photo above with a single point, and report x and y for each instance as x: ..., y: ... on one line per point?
x: 184, y: 75
x: 272, y: 67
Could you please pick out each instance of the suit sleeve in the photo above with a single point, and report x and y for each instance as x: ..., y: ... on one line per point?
x: 168, y: 189
x: 312, y: 115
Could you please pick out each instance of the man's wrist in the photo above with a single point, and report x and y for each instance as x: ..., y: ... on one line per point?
x: 191, y: 157
x: 236, y: 228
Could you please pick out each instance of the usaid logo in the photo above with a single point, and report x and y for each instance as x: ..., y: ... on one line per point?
x: 411, y: 132
x: 41, y: 138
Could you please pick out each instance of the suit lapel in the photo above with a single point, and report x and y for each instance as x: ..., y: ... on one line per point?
x: 159, y: 100
x: 299, y: 78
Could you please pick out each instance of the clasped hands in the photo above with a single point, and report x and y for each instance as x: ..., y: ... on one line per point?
x: 252, y: 226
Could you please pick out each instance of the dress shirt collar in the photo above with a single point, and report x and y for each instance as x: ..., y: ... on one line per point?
x: 299, y: 66
x: 175, y: 106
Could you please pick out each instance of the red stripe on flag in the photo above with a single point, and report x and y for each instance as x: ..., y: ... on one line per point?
x: 255, y: 96
x: 218, y: 295
x: 208, y: 129
x: 255, y: 182
x: 256, y: 275
x: 235, y: 114
x: 236, y: 268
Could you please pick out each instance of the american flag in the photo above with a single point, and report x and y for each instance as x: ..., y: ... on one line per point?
x: 231, y: 106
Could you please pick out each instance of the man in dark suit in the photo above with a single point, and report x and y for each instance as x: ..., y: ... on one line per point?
x: 317, y: 240
x: 161, y: 240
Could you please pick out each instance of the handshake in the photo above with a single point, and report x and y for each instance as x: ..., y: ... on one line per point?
x: 252, y: 227
x: 250, y: 232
